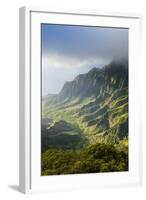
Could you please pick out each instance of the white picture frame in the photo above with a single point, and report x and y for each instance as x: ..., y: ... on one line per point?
x: 29, y: 160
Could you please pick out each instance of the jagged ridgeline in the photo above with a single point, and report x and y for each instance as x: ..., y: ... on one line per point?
x: 91, y: 109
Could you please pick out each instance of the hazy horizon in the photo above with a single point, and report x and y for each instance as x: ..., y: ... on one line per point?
x: 71, y: 50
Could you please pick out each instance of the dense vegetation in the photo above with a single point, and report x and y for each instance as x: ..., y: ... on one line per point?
x: 85, y: 126
x: 96, y: 158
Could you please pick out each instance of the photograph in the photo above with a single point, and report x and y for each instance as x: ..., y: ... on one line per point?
x: 84, y: 99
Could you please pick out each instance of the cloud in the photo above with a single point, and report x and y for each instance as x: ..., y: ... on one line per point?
x: 71, y: 50
x: 58, y: 68
x: 70, y: 62
x: 83, y: 41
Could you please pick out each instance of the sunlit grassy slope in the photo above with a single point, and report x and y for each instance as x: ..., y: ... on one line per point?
x: 103, y: 122
x: 90, y: 113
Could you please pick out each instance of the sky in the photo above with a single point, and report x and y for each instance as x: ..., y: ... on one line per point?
x: 71, y: 50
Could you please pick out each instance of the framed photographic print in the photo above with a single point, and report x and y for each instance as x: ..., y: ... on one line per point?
x: 79, y: 105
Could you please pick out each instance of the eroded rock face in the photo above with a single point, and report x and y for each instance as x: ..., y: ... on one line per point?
x: 97, y: 102
x: 95, y: 82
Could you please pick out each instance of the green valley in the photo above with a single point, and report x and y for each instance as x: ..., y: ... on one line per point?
x: 85, y: 126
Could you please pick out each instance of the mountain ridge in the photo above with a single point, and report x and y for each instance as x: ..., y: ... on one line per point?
x: 95, y: 104
x: 92, y: 83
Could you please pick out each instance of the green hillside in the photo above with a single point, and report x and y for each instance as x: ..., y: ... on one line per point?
x: 90, y: 110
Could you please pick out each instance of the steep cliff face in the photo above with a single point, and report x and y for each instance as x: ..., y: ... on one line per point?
x: 96, y: 81
x: 96, y: 101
